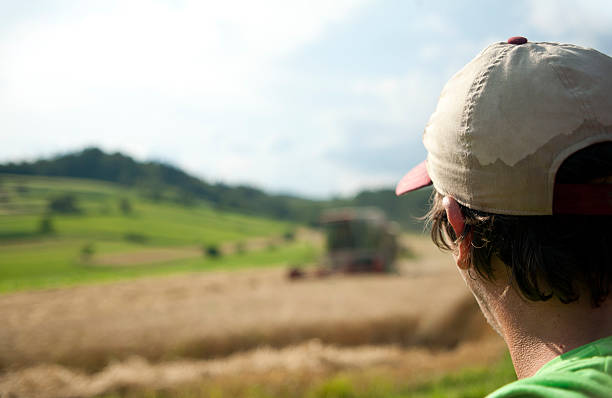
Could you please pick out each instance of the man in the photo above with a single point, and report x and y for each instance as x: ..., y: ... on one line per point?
x: 520, y: 156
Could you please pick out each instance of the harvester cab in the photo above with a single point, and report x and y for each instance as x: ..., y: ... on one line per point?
x: 359, y: 240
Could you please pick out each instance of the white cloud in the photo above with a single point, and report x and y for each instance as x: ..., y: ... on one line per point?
x: 402, y: 98
x: 209, y: 53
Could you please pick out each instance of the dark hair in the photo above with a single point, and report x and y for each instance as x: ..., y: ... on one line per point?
x: 558, y: 256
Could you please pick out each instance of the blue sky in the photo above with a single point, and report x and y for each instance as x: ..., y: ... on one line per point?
x: 315, y: 98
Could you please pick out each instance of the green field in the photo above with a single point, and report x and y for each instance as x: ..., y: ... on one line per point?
x: 106, y: 224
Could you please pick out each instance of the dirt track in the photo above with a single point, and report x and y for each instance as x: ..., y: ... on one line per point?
x: 195, y: 318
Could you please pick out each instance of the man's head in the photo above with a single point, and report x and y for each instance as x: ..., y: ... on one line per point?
x: 519, y: 152
x: 556, y: 256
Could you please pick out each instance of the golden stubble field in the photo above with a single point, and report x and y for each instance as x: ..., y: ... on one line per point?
x: 165, y: 331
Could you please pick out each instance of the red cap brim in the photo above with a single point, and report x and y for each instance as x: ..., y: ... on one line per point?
x: 415, y: 179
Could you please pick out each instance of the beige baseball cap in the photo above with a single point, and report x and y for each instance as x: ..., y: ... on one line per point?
x: 507, y: 121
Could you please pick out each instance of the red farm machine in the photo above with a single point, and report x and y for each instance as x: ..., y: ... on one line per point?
x: 358, y: 240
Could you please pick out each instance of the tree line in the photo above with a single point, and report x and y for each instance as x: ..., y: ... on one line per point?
x: 161, y: 181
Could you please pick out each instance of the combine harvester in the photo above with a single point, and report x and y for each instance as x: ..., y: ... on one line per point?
x: 359, y: 240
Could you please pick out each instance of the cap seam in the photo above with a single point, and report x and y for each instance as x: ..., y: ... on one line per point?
x: 565, y: 81
x: 476, y: 90
x: 473, y: 94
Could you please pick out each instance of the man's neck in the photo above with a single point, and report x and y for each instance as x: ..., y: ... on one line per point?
x: 533, y: 342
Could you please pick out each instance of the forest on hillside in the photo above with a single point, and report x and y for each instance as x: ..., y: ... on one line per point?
x: 164, y: 182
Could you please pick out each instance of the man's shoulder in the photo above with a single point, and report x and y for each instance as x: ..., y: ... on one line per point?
x: 582, y: 373
x: 583, y: 384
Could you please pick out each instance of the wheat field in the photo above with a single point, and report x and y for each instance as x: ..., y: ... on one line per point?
x: 161, y: 332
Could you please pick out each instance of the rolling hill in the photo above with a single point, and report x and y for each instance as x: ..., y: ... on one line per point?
x: 56, y: 231
x: 163, y: 182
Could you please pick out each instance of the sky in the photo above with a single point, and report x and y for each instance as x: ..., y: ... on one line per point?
x: 316, y: 98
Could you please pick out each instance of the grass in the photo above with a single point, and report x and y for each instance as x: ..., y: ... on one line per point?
x: 56, y: 263
x: 31, y: 259
x: 471, y: 382
x: 163, y: 222
x: 474, y: 382
x: 466, y: 383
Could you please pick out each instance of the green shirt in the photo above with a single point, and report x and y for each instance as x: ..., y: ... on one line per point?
x: 580, y: 373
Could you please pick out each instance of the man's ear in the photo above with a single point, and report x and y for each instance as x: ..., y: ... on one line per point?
x: 457, y: 221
